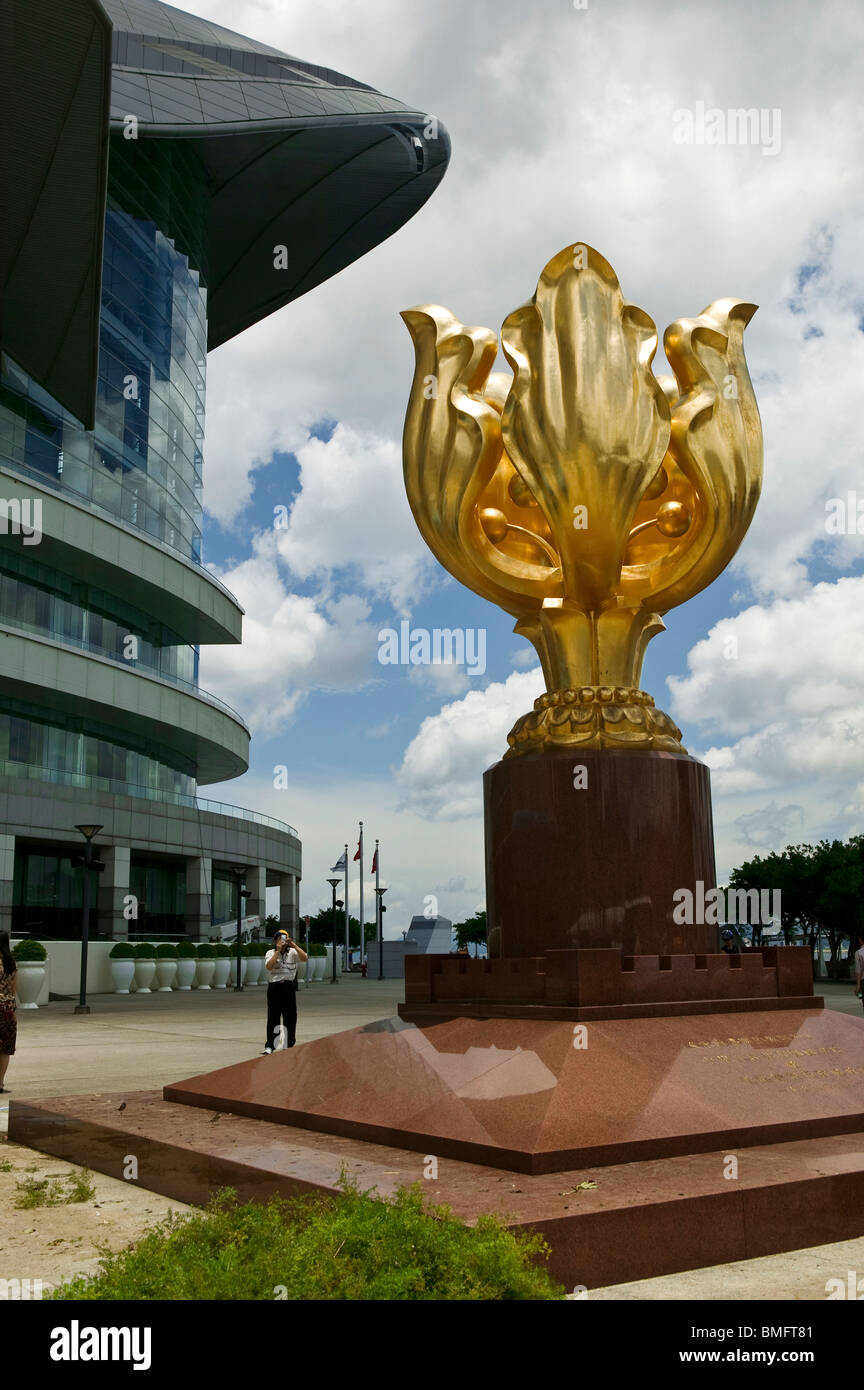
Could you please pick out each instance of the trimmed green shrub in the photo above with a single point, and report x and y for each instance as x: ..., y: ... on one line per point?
x: 222, y: 951
x: 166, y: 950
x: 317, y: 949
x: 262, y: 947
x: 206, y: 951
x: 122, y: 950
x: 29, y: 950
x: 145, y: 950
x: 186, y: 950
x: 354, y: 1247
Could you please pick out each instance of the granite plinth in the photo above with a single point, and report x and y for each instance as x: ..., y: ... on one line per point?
x: 542, y: 1096
x: 638, y: 1220
x: 597, y: 864
x: 590, y: 983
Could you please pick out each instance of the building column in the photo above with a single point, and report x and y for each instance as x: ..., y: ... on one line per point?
x: 288, y: 884
x: 199, y: 884
x: 113, y: 888
x: 7, y: 879
x: 256, y: 884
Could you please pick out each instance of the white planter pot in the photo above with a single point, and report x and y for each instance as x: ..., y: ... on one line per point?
x: 206, y: 971
x: 186, y: 968
x: 166, y: 975
x: 122, y: 975
x: 253, y: 970
x: 145, y: 973
x: 232, y: 974
x: 30, y: 979
x: 220, y: 974
x: 320, y: 967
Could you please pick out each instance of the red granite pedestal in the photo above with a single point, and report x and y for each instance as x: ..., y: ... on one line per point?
x: 588, y: 849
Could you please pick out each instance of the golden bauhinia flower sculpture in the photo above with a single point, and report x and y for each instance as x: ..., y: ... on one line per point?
x: 584, y: 495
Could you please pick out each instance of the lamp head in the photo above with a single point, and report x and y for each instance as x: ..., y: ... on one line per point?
x: 89, y: 831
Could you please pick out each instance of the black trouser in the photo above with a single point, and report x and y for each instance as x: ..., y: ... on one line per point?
x: 281, y: 1007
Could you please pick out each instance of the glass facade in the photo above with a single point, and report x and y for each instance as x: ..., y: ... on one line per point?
x: 36, y: 598
x: 143, y: 461
x: 160, y: 890
x: 62, y: 748
x: 224, y: 900
x: 48, y: 894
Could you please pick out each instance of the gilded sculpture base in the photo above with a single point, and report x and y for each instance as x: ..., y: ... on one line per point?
x: 595, y: 717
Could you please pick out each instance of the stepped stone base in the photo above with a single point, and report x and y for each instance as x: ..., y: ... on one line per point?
x: 542, y: 1096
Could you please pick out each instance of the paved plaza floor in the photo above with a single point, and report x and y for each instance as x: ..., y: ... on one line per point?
x: 142, y: 1042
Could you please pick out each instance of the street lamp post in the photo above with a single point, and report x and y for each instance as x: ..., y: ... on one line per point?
x: 334, y: 884
x: 89, y: 832
x: 239, y: 875
x: 379, y: 893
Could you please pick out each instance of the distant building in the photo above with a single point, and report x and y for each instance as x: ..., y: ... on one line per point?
x: 433, y: 935
x: 425, y: 936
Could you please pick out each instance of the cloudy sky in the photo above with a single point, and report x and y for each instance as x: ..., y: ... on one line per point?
x: 563, y: 124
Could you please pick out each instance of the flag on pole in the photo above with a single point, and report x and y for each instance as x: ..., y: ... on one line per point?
x: 359, y: 854
x: 341, y: 863
x: 375, y: 860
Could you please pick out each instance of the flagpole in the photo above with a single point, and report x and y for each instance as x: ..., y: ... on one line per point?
x: 362, y: 927
x: 347, y: 961
x: 380, y: 917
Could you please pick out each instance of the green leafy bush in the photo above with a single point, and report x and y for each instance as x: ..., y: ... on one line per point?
x: 186, y: 950
x: 166, y: 950
x: 29, y: 950
x: 145, y: 950
x: 122, y: 950
x: 317, y: 949
x: 354, y: 1247
x: 206, y: 951
x: 262, y: 947
x: 222, y: 951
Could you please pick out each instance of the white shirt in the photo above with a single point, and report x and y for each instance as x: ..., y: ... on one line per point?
x: 286, y: 966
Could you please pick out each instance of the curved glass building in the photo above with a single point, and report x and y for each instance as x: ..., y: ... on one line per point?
x: 234, y: 178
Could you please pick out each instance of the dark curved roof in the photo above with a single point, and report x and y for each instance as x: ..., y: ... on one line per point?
x: 55, y: 73
x: 296, y: 155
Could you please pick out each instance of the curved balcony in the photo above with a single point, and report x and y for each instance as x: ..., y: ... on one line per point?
x: 64, y: 639
x: 92, y: 783
x: 83, y: 540
x: 55, y: 676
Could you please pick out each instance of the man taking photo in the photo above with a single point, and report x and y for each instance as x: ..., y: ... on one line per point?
x: 282, y: 962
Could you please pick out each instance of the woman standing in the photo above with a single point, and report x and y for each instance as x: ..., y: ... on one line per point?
x: 8, y: 1023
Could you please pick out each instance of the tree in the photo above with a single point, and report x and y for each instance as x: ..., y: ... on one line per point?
x: 471, y: 932
x: 321, y: 928
x: 820, y: 891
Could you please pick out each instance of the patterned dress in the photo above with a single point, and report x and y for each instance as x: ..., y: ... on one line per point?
x: 8, y: 1023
